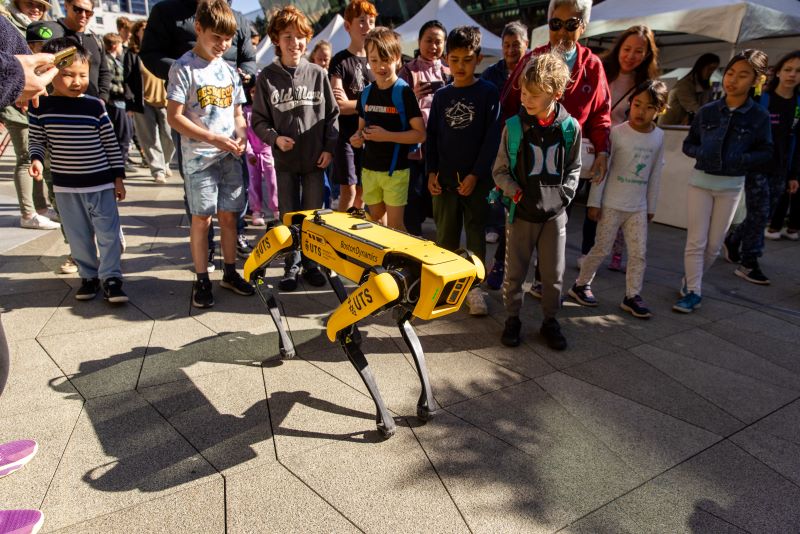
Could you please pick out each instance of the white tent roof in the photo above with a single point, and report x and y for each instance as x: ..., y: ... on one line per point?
x: 449, y: 13
x: 687, y: 28
x: 334, y: 33
x: 265, y: 53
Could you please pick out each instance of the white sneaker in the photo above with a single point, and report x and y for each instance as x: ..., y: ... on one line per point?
x: 51, y: 214
x: 772, y: 235
x: 69, y: 266
x: 476, y: 302
x: 38, y: 222
x: 792, y: 236
x: 160, y: 178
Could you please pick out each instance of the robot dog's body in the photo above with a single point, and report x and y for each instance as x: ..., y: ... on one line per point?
x: 394, y: 270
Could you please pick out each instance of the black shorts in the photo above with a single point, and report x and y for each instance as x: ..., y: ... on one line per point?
x: 347, y: 163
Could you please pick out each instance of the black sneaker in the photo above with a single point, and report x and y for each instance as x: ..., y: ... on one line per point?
x: 211, y: 265
x: 289, y: 280
x: 731, y: 252
x: 88, y: 290
x: 314, y: 276
x: 202, y: 297
x: 237, y: 284
x: 636, y: 307
x: 752, y: 274
x: 112, y: 291
x: 511, y: 332
x: 243, y: 248
x: 551, y: 331
x: 583, y: 294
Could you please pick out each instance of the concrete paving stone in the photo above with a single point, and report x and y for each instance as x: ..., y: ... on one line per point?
x: 51, y: 428
x: 785, y: 309
x: 743, y: 397
x: 34, y: 381
x: 717, y: 351
x: 775, y: 440
x: 163, y: 293
x: 74, y: 316
x: 27, y: 275
x: 524, y: 361
x: 309, y: 408
x: 207, y: 355
x: 651, y: 510
x: 102, y: 361
x: 391, y: 476
x: 117, y: 471
x: 633, y: 378
x: 647, y: 440
x: 771, y: 338
x: 234, y: 313
x: 497, y: 487
x: 197, y: 509
x: 734, y: 486
x: 224, y: 416
x: 25, y: 315
x: 271, y: 498
x: 36, y: 244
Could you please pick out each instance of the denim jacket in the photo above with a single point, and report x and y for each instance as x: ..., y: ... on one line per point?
x: 729, y: 143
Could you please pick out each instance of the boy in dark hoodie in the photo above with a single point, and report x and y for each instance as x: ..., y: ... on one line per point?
x: 538, y: 168
x: 294, y: 111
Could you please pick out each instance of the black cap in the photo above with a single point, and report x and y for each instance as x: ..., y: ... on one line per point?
x: 43, y: 31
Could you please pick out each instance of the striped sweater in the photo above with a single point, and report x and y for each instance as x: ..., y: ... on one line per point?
x: 79, y: 137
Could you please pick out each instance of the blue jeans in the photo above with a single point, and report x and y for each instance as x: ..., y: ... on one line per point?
x: 87, y: 217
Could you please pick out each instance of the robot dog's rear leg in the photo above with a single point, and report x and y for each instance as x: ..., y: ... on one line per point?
x: 426, y: 406
x: 350, y: 339
x: 267, y: 296
x: 383, y: 418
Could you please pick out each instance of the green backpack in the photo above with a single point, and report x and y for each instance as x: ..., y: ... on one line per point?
x: 569, y: 129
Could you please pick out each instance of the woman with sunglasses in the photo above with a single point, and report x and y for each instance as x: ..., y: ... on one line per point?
x: 30, y: 195
x: 587, y: 97
x: 631, y: 61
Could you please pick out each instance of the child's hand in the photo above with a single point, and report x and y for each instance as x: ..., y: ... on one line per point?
x: 517, y: 196
x: 467, y: 185
x: 339, y: 94
x: 594, y: 214
x: 35, y: 170
x: 422, y: 89
x: 376, y: 133
x: 226, y: 144
x: 794, y: 185
x: 599, y: 168
x: 357, y: 140
x: 284, y: 143
x: 242, y: 144
x: 324, y: 159
x: 650, y: 216
x: 433, y: 184
x: 119, y: 189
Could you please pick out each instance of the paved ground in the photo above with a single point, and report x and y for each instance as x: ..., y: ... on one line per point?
x: 156, y: 417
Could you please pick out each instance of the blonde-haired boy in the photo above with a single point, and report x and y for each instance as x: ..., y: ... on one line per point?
x: 537, y: 167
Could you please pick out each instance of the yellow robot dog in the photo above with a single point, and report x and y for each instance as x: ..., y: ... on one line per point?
x: 394, y: 270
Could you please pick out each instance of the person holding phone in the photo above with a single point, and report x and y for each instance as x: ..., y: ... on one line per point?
x: 425, y: 74
x: 66, y: 123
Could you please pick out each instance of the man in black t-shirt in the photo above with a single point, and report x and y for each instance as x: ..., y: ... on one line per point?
x: 350, y: 73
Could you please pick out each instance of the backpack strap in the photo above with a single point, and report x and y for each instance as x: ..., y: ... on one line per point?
x: 397, y: 100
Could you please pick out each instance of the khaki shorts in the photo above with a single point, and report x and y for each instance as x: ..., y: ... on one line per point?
x: 379, y: 187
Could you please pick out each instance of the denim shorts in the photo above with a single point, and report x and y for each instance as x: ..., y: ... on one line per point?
x: 218, y: 187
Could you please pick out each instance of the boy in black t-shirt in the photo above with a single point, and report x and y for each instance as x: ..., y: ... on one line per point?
x: 350, y: 73
x: 386, y: 130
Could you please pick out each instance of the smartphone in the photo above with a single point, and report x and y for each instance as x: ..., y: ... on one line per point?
x: 64, y: 58
x: 435, y: 85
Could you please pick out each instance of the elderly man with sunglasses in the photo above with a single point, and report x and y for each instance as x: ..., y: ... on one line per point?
x: 587, y: 98
x: 78, y: 15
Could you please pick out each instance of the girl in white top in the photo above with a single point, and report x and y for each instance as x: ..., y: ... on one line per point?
x: 627, y: 197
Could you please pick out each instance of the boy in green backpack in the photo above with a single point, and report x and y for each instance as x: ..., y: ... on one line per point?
x: 537, y: 168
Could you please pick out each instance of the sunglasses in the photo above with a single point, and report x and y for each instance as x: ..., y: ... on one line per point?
x: 80, y: 11
x: 570, y: 25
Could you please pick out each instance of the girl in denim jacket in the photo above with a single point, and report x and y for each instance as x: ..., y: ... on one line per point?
x: 728, y: 138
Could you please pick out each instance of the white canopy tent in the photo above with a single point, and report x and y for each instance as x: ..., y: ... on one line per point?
x: 334, y: 33
x: 449, y: 13
x: 685, y: 29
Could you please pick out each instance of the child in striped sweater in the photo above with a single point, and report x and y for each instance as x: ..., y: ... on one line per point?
x: 87, y: 169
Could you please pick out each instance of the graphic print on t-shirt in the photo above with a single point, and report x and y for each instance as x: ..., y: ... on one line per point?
x: 459, y: 114
x: 211, y: 95
x: 290, y: 98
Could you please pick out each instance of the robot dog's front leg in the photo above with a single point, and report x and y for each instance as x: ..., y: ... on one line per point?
x: 276, y: 241
x: 377, y: 292
x: 426, y: 405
